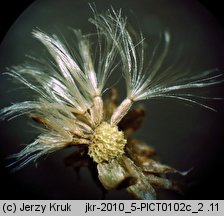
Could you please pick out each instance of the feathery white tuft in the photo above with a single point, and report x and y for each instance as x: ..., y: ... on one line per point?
x: 150, y: 82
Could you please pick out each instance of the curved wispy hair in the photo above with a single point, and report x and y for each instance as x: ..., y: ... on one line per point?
x: 147, y: 82
x: 70, y: 88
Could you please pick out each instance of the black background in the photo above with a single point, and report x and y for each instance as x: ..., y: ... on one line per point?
x: 10, y: 189
x: 10, y: 10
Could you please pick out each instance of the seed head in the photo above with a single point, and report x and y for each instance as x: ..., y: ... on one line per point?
x: 70, y: 107
x: 107, y: 143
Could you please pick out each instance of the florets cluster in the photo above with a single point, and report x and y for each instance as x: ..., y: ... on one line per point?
x: 107, y: 143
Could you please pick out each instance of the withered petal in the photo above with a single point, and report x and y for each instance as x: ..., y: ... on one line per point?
x: 111, y: 174
x: 127, y: 182
x: 140, y: 153
x: 152, y: 166
x: 114, y: 173
x: 132, y: 121
x: 164, y: 183
x: 142, y: 189
x: 138, y: 147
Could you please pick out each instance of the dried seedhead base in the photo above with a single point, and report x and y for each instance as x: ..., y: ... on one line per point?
x: 107, y: 143
x: 134, y: 167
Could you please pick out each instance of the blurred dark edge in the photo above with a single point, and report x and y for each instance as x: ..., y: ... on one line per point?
x: 10, y: 11
x: 10, y: 188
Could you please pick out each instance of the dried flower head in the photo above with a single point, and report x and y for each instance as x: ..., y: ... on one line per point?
x: 71, y: 111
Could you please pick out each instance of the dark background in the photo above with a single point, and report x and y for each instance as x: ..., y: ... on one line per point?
x: 10, y: 11
x: 208, y: 182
